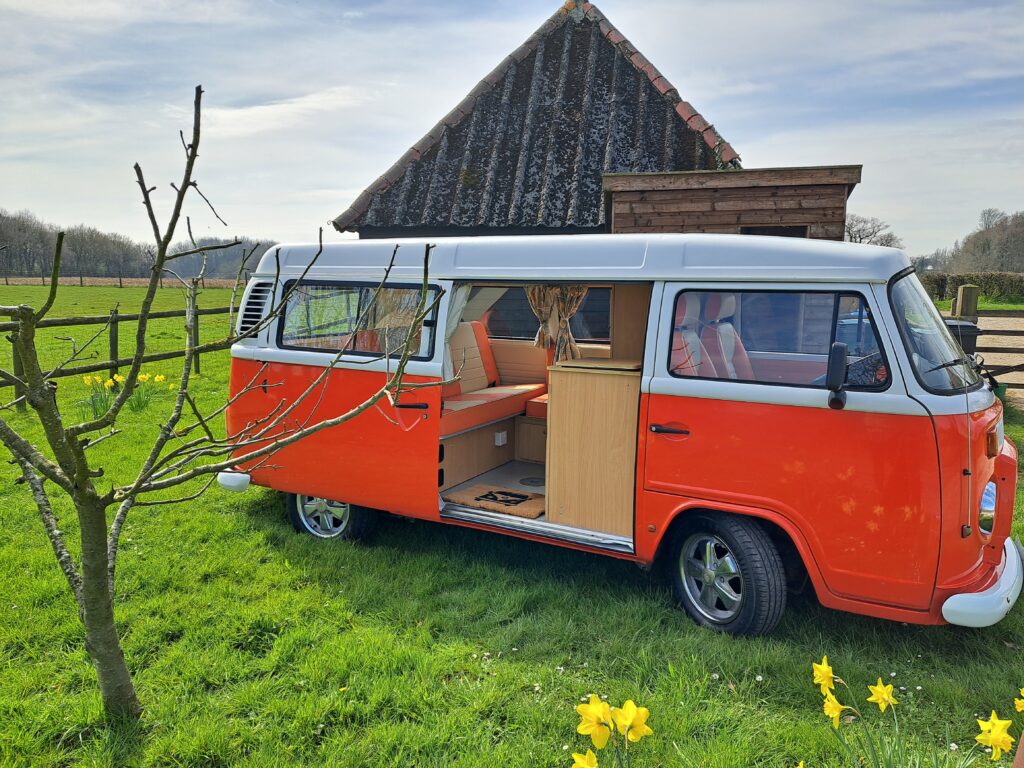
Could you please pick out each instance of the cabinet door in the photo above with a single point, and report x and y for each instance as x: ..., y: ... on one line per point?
x: 592, y: 422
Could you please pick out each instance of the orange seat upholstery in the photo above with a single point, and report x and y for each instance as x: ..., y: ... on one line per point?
x: 688, y: 357
x: 538, y: 407
x: 462, y: 412
x: 723, y: 343
x: 479, y: 397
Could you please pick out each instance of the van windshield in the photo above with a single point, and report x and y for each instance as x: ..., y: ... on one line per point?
x: 939, y: 363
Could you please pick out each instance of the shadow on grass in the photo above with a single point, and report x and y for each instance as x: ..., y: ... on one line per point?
x: 438, y: 569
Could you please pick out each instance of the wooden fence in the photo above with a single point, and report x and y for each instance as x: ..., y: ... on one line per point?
x: 115, y: 361
x: 1002, y: 344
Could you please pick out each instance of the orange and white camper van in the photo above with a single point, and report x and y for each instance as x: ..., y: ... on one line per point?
x: 755, y: 412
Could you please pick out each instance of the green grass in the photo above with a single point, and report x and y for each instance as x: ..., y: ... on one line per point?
x: 430, y: 646
x: 946, y: 305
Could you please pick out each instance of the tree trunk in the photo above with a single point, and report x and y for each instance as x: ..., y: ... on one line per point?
x: 101, y: 638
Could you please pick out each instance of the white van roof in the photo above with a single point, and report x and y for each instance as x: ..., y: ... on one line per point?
x: 594, y: 258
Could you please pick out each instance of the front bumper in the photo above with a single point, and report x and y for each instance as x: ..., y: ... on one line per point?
x: 985, y: 608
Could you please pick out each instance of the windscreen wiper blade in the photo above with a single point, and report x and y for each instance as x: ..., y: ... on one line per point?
x: 950, y: 363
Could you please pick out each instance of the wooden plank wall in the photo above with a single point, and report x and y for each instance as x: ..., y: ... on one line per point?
x: 819, y: 207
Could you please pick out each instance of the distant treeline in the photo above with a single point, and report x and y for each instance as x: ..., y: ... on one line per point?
x: 996, y: 245
x: 91, y: 253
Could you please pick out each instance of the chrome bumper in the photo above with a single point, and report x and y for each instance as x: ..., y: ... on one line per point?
x: 985, y: 608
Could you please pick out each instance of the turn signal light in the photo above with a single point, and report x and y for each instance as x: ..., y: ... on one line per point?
x: 992, y: 444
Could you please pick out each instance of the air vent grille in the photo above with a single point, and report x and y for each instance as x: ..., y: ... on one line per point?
x: 255, y: 303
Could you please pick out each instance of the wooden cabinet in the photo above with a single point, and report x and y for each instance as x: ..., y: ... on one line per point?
x: 593, y: 409
x: 531, y: 439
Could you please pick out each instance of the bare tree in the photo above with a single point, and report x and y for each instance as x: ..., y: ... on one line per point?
x: 861, y: 229
x: 990, y: 217
x: 188, y: 448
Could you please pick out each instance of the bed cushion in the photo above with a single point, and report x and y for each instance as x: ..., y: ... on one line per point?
x: 462, y: 412
x: 538, y: 407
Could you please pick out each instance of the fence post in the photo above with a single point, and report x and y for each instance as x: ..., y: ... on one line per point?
x: 967, y: 302
x: 113, y: 343
x: 119, y: 283
x: 19, y: 371
x: 195, y: 341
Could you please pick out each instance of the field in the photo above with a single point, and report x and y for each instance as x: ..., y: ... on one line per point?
x: 429, y: 646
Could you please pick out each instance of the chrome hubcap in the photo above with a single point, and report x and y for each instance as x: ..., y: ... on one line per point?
x: 711, y: 577
x: 323, y: 517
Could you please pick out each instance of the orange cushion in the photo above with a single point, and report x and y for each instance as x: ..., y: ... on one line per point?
x: 538, y: 407
x: 472, y: 409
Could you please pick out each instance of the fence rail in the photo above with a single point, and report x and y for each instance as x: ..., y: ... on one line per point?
x: 1003, y: 340
x: 115, y: 361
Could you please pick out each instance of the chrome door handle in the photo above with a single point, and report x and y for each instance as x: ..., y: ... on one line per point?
x: 660, y: 429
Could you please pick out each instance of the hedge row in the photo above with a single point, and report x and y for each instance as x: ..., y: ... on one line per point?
x: 993, y: 285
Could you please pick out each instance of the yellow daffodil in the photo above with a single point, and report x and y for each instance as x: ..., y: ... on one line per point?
x: 87, y: 380
x: 881, y: 695
x: 631, y: 720
x: 994, y: 734
x: 160, y: 378
x: 588, y: 760
x: 171, y: 387
x: 119, y: 378
x: 823, y: 676
x: 144, y: 377
x: 832, y: 708
x: 595, y: 720
x: 108, y: 384
x: 800, y: 764
x: 1019, y: 703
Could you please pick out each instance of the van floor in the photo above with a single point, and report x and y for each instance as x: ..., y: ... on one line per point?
x: 521, y: 476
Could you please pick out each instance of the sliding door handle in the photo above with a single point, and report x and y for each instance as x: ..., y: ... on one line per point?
x: 660, y: 429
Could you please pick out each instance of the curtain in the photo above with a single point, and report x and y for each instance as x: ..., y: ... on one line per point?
x: 457, y: 301
x: 570, y: 299
x: 542, y: 302
x: 554, y: 306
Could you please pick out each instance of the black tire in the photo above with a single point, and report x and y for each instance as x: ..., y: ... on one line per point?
x: 744, y: 564
x: 326, y: 519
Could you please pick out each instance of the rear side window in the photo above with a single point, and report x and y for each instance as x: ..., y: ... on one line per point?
x: 774, y: 337
x: 510, y: 316
x: 331, y: 317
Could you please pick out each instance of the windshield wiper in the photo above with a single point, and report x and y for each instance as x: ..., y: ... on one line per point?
x: 965, y: 360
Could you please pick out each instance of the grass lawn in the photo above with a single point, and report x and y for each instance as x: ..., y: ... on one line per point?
x: 430, y: 646
x: 946, y: 305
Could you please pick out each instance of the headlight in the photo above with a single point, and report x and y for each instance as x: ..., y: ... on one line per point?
x: 987, y: 512
x: 994, y: 439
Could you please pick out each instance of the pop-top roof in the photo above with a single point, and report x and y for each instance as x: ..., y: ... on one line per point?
x: 527, y: 148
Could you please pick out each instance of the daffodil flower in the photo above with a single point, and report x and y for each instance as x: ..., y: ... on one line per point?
x: 87, y: 380
x: 108, y: 384
x: 1019, y: 703
x: 118, y: 378
x: 588, y: 760
x: 144, y: 377
x: 832, y: 708
x: 881, y: 695
x: 823, y: 676
x: 994, y: 734
x: 595, y: 720
x: 160, y: 378
x: 631, y: 721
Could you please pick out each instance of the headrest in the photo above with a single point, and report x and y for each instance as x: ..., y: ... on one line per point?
x: 687, y: 310
x: 719, y: 305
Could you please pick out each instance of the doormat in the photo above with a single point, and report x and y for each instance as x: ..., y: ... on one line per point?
x: 499, y: 500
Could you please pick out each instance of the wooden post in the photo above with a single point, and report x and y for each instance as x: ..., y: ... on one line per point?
x: 195, y: 342
x: 120, y: 270
x: 42, y: 272
x: 19, y: 371
x: 113, y: 342
x: 80, y: 283
x: 967, y: 302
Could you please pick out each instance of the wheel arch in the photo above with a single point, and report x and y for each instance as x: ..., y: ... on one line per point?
x: 793, y: 548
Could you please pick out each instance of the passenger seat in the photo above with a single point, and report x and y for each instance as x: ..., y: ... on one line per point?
x: 720, y: 339
x: 688, y: 357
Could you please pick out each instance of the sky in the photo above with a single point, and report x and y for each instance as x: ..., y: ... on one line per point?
x: 308, y: 101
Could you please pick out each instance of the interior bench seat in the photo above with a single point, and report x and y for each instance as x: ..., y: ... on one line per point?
x: 538, y: 407
x: 479, y: 397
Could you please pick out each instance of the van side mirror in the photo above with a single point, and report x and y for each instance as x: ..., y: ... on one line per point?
x: 835, y: 376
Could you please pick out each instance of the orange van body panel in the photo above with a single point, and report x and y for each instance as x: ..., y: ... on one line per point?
x: 384, y: 458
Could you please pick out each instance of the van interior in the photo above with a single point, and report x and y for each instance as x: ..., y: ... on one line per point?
x: 533, y: 445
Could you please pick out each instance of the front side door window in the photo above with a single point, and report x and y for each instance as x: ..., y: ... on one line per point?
x: 774, y: 337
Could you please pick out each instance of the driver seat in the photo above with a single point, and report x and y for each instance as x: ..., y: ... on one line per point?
x: 688, y: 356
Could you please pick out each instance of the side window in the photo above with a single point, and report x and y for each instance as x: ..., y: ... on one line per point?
x: 330, y: 317
x: 774, y: 337
x: 510, y: 316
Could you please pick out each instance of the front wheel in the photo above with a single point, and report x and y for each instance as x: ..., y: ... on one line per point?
x: 327, y: 519
x: 727, y: 574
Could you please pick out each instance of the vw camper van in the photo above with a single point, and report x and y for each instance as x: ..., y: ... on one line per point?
x: 755, y: 412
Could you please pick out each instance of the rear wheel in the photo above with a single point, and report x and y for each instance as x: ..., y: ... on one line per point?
x: 727, y: 574
x: 327, y: 519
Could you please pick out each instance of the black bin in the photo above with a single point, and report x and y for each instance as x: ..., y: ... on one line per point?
x: 966, y: 333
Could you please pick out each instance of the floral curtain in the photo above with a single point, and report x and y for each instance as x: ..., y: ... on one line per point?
x: 554, y: 306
